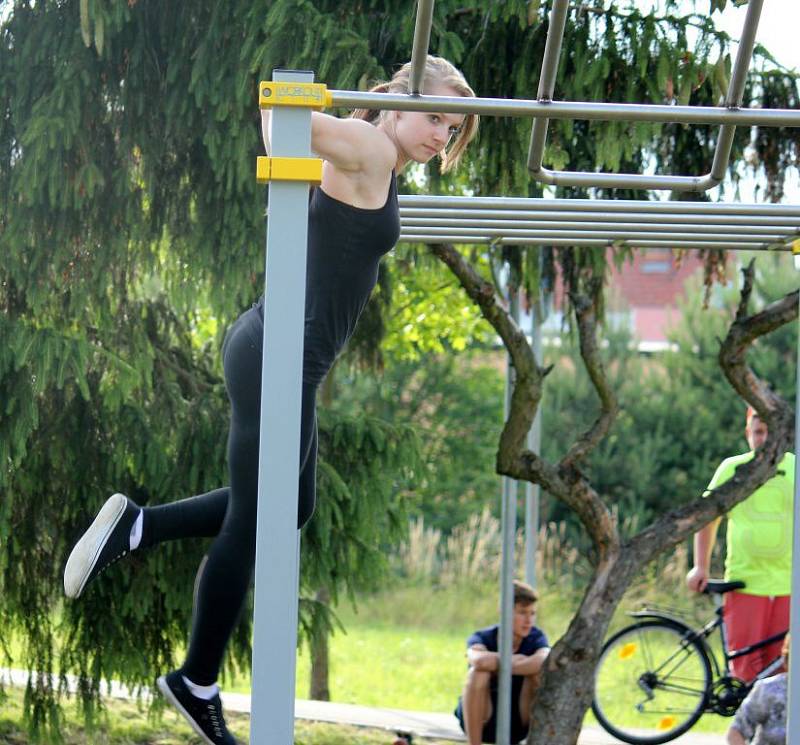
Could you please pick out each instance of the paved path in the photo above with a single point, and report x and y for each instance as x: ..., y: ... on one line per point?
x: 420, y: 723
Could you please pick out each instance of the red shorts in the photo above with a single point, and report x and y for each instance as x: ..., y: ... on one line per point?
x: 749, y: 619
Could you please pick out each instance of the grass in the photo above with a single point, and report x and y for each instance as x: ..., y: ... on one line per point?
x: 404, y: 647
x: 126, y: 723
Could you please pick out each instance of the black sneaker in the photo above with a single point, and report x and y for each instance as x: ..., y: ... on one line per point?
x: 106, y: 541
x: 205, y: 716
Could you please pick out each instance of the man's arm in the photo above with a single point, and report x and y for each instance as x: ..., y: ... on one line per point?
x: 704, y: 540
x: 523, y: 664
x: 481, y: 659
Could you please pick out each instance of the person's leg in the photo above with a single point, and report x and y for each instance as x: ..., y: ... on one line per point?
x: 222, y: 585
x: 307, y: 491
x: 194, y: 517
x: 745, y: 621
x: 529, y: 687
x: 777, y: 621
x: 476, y: 704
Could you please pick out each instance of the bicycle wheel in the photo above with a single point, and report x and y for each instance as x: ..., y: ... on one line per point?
x: 651, y: 683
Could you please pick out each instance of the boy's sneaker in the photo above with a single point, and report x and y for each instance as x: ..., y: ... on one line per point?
x: 105, y: 542
x: 205, y: 716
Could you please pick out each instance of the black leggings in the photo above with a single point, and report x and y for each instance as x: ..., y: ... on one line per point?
x: 229, y: 513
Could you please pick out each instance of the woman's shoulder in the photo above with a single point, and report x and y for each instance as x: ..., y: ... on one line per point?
x: 352, y: 144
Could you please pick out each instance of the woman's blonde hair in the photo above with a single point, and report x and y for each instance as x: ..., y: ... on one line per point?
x: 437, y: 70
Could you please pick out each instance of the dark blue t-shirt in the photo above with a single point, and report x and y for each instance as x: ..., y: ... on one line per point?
x: 488, y: 638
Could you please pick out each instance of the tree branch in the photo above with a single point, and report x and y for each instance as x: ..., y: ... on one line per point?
x: 565, y: 482
x: 529, y: 376
x: 741, y: 335
x: 609, y: 408
x: 679, y: 524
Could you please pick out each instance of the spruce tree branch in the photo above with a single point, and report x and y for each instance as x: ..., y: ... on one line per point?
x: 609, y: 408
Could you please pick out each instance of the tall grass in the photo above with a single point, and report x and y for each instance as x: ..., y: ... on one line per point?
x: 450, y: 581
x: 473, y: 552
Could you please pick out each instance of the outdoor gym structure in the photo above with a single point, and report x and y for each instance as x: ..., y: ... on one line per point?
x: 509, y: 221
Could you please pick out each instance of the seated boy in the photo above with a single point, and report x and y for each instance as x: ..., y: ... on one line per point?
x: 477, y: 706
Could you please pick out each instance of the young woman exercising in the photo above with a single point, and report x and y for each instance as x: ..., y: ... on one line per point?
x: 353, y: 221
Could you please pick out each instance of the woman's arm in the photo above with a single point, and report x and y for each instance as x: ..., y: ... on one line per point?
x: 349, y: 144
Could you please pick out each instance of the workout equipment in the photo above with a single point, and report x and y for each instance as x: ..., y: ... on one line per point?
x: 510, y: 221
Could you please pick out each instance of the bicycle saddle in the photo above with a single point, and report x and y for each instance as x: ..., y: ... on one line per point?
x: 718, y: 587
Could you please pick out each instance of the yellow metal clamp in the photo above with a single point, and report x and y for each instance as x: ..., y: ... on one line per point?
x: 288, y: 169
x: 309, y: 95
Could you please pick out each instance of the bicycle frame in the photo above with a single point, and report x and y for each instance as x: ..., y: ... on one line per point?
x: 704, y: 632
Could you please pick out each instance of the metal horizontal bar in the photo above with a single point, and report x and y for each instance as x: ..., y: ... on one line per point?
x: 611, y: 235
x: 787, y: 223
x: 596, y: 179
x: 780, y: 232
x: 597, y: 205
x: 623, y: 112
x: 518, y: 241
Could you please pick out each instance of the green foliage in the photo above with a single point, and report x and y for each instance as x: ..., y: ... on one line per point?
x: 131, y: 233
x: 456, y: 406
x: 431, y: 314
x: 679, y: 417
x: 366, y: 464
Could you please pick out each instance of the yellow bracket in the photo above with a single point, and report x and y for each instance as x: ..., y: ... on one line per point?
x: 288, y: 169
x: 796, y: 246
x: 308, y: 95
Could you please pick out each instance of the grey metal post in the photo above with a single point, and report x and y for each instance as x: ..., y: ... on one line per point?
x: 509, y: 530
x: 547, y: 79
x: 277, y: 537
x: 735, y: 94
x: 419, y: 50
x: 793, y: 703
x: 532, y: 491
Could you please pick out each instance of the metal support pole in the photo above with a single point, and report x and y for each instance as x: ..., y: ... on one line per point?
x: 509, y: 530
x: 277, y: 537
x: 532, y: 491
x: 419, y: 50
x: 547, y: 79
x: 793, y: 702
x: 735, y: 95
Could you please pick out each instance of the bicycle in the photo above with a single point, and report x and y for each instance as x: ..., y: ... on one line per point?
x: 658, y: 676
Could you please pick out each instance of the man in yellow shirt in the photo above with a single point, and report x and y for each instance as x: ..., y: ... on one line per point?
x: 759, y: 553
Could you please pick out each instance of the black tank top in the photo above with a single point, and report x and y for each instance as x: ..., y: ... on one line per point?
x: 345, y: 246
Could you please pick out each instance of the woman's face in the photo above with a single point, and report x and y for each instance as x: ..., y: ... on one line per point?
x: 421, y: 135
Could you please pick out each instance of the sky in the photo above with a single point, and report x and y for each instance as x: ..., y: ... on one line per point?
x: 777, y: 29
